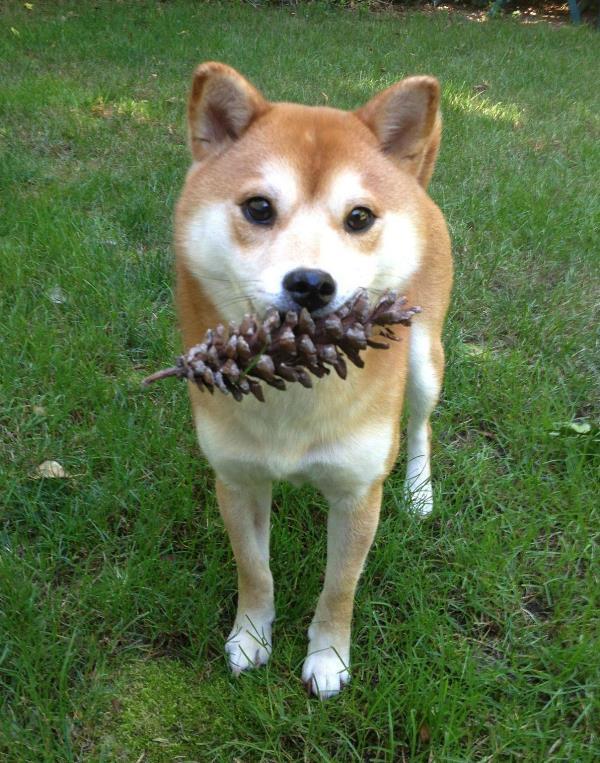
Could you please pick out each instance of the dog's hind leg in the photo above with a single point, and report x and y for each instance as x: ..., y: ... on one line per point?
x: 246, y: 513
x: 426, y: 370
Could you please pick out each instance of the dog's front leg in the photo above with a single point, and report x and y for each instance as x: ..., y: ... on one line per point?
x: 350, y: 530
x: 246, y: 513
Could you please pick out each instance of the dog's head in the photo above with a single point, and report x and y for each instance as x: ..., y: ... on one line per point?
x: 292, y: 205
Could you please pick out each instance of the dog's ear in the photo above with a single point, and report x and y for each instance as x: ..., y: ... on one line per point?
x: 406, y: 120
x: 222, y: 106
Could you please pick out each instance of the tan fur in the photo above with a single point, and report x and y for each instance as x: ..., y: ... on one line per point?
x: 393, y: 141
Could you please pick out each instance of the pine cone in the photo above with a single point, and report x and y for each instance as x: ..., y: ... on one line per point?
x: 288, y: 348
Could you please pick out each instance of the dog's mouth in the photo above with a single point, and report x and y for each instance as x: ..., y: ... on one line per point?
x: 260, y: 302
x: 284, y: 304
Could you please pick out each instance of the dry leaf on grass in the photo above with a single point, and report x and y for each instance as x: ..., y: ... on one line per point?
x: 425, y: 734
x: 51, y: 470
x: 571, y: 427
x: 57, y: 295
x: 473, y: 350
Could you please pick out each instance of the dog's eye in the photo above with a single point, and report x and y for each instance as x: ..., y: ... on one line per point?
x: 359, y: 219
x: 258, y: 210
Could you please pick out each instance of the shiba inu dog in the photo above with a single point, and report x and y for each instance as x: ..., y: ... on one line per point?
x: 290, y: 205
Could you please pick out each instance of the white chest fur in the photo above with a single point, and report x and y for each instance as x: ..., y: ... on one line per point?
x: 321, y: 436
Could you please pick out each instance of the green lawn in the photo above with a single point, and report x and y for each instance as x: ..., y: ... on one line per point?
x: 476, y: 630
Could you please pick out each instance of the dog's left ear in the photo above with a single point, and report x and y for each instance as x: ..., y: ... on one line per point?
x: 406, y: 120
x: 222, y: 106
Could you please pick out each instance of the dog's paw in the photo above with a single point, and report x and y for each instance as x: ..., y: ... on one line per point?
x: 325, y: 672
x: 249, y: 644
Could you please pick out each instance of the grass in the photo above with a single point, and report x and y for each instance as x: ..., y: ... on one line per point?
x: 476, y: 631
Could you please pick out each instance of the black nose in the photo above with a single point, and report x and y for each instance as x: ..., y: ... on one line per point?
x: 309, y: 288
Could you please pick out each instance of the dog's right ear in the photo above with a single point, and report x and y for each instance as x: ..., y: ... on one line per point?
x: 222, y: 106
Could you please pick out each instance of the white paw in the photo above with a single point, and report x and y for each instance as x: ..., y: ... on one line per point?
x: 249, y: 644
x: 419, y: 496
x: 325, y: 672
